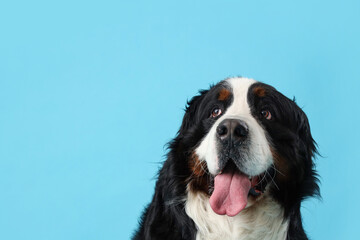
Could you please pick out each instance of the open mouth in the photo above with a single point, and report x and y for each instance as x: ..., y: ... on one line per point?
x: 232, y: 189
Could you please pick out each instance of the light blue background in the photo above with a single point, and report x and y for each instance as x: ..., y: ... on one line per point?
x: 90, y: 92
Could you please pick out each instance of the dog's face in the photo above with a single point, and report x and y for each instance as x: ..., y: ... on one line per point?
x: 236, y: 131
x: 245, y: 139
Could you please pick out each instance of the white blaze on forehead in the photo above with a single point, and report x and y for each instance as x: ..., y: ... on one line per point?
x: 240, y: 88
x: 258, y: 156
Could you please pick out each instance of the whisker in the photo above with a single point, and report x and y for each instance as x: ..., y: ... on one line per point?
x: 203, y: 168
x: 175, y: 201
x: 272, y: 179
x: 277, y: 170
x: 263, y: 178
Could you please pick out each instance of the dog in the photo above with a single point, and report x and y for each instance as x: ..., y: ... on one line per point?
x: 239, y: 167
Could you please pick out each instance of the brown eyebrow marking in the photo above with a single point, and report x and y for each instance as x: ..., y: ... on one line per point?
x: 224, y: 94
x: 259, y: 91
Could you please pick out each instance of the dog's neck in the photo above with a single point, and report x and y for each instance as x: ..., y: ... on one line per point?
x: 262, y: 220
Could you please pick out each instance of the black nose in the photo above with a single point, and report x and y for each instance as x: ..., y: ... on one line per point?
x: 232, y: 129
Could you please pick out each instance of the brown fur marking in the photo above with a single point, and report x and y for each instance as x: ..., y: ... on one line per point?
x: 198, y: 167
x: 280, y: 165
x: 260, y: 91
x: 199, y: 179
x: 224, y: 94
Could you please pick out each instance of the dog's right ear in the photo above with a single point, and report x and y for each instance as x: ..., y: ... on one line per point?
x: 191, y: 116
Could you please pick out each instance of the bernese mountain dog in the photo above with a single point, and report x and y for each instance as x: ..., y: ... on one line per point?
x: 238, y: 168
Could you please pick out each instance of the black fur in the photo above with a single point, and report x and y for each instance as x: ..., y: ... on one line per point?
x: 289, y: 133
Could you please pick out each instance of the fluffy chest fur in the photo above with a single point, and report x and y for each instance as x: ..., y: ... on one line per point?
x: 263, y: 220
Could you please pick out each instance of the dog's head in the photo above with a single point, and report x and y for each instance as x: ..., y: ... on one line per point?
x: 244, y: 139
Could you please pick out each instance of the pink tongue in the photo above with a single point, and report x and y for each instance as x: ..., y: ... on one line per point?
x: 230, y: 193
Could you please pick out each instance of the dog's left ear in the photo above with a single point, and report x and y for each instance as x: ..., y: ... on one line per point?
x: 192, y: 106
x: 308, y: 150
x: 305, y: 135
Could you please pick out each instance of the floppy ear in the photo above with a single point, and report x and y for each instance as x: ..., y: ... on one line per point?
x: 190, y: 116
x: 307, y: 151
x: 305, y: 134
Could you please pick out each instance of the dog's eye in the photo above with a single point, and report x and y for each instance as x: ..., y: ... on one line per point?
x: 266, y: 114
x: 216, y: 112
